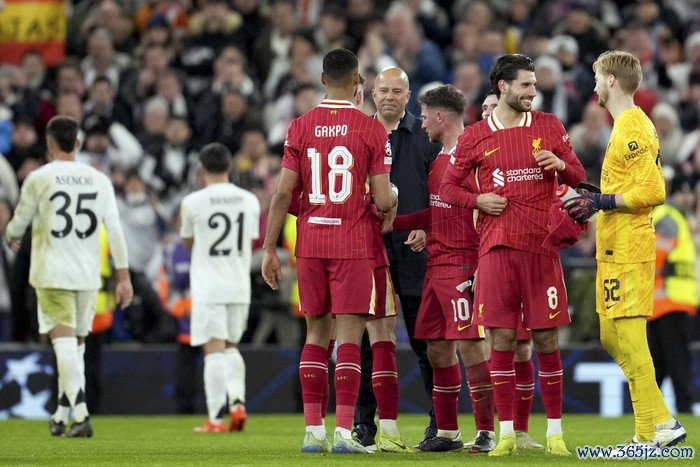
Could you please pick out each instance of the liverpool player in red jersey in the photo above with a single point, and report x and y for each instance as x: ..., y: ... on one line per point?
x: 384, y: 378
x: 517, y: 154
x: 524, y: 369
x: 333, y: 149
x: 445, y: 317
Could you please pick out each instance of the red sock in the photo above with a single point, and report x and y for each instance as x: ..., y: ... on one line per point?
x: 481, y: 393
x: 312, y: 372
x: 347, y: 384
x: 551, y: 378
x: 327, y: 387
x: 524, y: 391
x: 385, y: 379
x: 503, y: 381
x: 447, y: 383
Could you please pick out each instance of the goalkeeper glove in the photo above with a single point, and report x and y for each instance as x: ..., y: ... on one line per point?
x: 585, y: 206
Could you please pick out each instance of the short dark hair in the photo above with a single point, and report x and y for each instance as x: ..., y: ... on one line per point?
x: 339, y: 65
x: 215, y: 158
x: 63, y: 131
x: 506, y: 68
x: 445, y: 97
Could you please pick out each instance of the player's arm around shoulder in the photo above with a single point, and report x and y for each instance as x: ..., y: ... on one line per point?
x: 462, y: 162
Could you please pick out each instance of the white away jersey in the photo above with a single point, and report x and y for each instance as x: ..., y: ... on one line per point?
x: 66, y: 201
x: 224, y: 220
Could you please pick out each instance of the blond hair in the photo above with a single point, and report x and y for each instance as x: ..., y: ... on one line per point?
x: 624, y: 66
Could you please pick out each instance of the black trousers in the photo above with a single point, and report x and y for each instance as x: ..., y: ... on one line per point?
x: 366, y: 404
x: 668, y: 343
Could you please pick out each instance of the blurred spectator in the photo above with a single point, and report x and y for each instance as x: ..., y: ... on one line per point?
x: 144, y: 224
x: 304, y: 98
x: 305, y: 66
x: 6, y: 128
x: 102, y: 59
x: 465, y: 42
x: 253, y: 23
x: 6, y: 260
x: 552, y: 95
x: 675, y: 300
x: 9, y: 189
x: 253, y: 165
x: 520, y: 18
x: 590, y: 33
x: 360, y: 14
x: 469, y: 78
x: 577, y: 79
x: 168, y: 87
x: 231, y: 122
x: 420, y: 58
x: 689, y: 107
x: 170, y: 171
x: 155, y: 118
x: 109, y: 16
x: 109, y: 146
x: 589, y: 139
x: 229, y: 74
x: 171, y: 12
x: 330, y: 33
x: 103, y: 102
x: 433, y: 20
x: 271, y: 48
x: 27, y: 152
x: 479, y: 13
x: 668, y: 128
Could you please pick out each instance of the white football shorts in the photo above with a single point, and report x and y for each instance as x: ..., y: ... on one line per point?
x: 225, y: 321
x: 72, y: 308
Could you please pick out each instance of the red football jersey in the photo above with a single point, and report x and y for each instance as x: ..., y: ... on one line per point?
x: 503, y: 159
x: 334, y: 148
x: 451, y: 239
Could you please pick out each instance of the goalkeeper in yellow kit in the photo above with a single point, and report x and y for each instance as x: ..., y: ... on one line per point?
x: 631, y: 185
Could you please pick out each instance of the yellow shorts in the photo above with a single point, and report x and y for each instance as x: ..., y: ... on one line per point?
x: 72, y: 308
x: 624, y: 290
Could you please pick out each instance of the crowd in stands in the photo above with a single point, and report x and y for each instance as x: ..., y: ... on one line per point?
x: 152, y: 81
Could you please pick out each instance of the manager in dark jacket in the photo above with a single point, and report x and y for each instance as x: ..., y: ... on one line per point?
x: 412, y: 155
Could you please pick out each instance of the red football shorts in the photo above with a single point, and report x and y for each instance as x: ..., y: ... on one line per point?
x: 446, y: 310
x: 385, y: 300
x: 340, y: 286
x: 511, y: 281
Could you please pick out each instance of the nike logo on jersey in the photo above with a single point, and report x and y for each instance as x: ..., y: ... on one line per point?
x: 496, y: 383
x: 554, y: 315
x: 462, y: 328
x: 491, y: 151
x: 607, y: 307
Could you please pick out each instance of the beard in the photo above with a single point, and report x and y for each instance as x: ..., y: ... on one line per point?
x: 515, y: 103
x: 603, y: 97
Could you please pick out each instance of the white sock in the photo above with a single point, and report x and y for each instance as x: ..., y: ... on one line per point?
x: 389, y: 427
x: 667, y: 425
x: 69, y: 375
x: 215, y: 385
x: 507, y: 429
x: 344, y: 432
x: 553, y: 426
x: 81, y: 362
x: 318, y: 431
x: 449, y: 434
x: 62, y: 413
x: 235, y: 383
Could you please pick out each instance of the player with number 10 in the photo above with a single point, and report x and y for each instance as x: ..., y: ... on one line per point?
x: 333, y: 149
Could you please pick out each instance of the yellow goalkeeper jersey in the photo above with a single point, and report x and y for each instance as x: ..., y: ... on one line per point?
x: 632, y: 167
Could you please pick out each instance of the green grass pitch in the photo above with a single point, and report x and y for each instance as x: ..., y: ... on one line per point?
x: 275, y: 440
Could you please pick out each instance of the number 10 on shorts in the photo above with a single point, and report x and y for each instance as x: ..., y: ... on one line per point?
x: 460, y: 308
